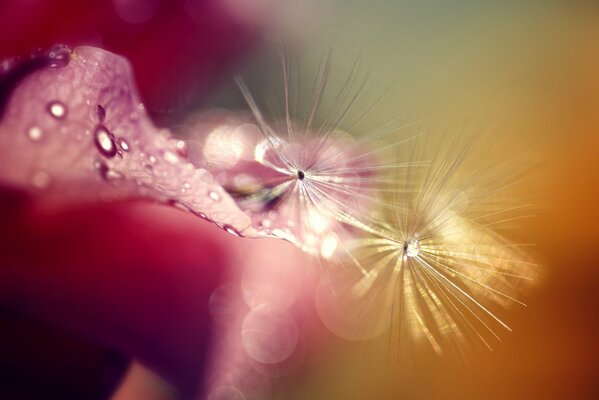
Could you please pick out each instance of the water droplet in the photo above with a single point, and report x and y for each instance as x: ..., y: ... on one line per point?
x: 59, y: 56
x: 104, y: 141
x: 101, y: 113
x: 57, y: 109
x: 231, y: 230
x: 123, y: 144
x: 411, y: 248
x: 152, y: 159
x: 34, y: 133
x: 214, y: 196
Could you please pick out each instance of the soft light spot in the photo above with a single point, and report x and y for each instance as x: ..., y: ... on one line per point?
x: 317, y: 222
x: 171, y: 157
x: 40, y: 179
x: 268, y: 337
x: 224, y: 146
x: 329, y: 245
x: 34, y: 133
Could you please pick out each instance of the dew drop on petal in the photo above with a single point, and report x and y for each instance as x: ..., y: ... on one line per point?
x: 57, y: 109
x: 104, y: 141
x: 214, y: 196
x: 231, y: 230
x: 123, y: 144
x: 34, y: 133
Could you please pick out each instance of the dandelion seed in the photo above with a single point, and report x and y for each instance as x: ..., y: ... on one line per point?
x: 311, y: 178
x: 439, y: 269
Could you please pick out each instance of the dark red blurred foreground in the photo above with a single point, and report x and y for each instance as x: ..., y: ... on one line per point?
x: 83, y: 290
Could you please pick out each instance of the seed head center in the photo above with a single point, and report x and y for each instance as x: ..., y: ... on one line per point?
x: 301, y: 175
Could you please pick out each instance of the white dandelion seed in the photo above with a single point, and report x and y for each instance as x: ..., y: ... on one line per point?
x: 307, y: 180
x: 439, y: 269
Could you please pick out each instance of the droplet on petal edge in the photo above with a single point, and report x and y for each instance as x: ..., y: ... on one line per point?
x: 67, y: 107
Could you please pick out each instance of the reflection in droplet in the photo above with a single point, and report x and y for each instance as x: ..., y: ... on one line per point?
x: 57, y: 109
x: 104, y: 141
x: 268, y: 337
x: 34, y: 133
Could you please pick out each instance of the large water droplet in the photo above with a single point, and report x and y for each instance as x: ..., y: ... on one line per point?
x: 34, y: 133
x: 57, y: 109
x: 104, y: 141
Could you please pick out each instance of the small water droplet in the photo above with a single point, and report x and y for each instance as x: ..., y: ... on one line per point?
x: 152, y: 159
x: 104, y: 141
x: 101, y: 113
x: 123, y: 144
x: 57, y: 109
x: 34, y: 133
x: 231, y: 230
x: 214, y: 196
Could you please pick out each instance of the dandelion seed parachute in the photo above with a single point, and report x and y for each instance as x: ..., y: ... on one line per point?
x: 299, y: 174
x: 440, y: 267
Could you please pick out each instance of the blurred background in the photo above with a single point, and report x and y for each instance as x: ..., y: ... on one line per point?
x: 527, y: 70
